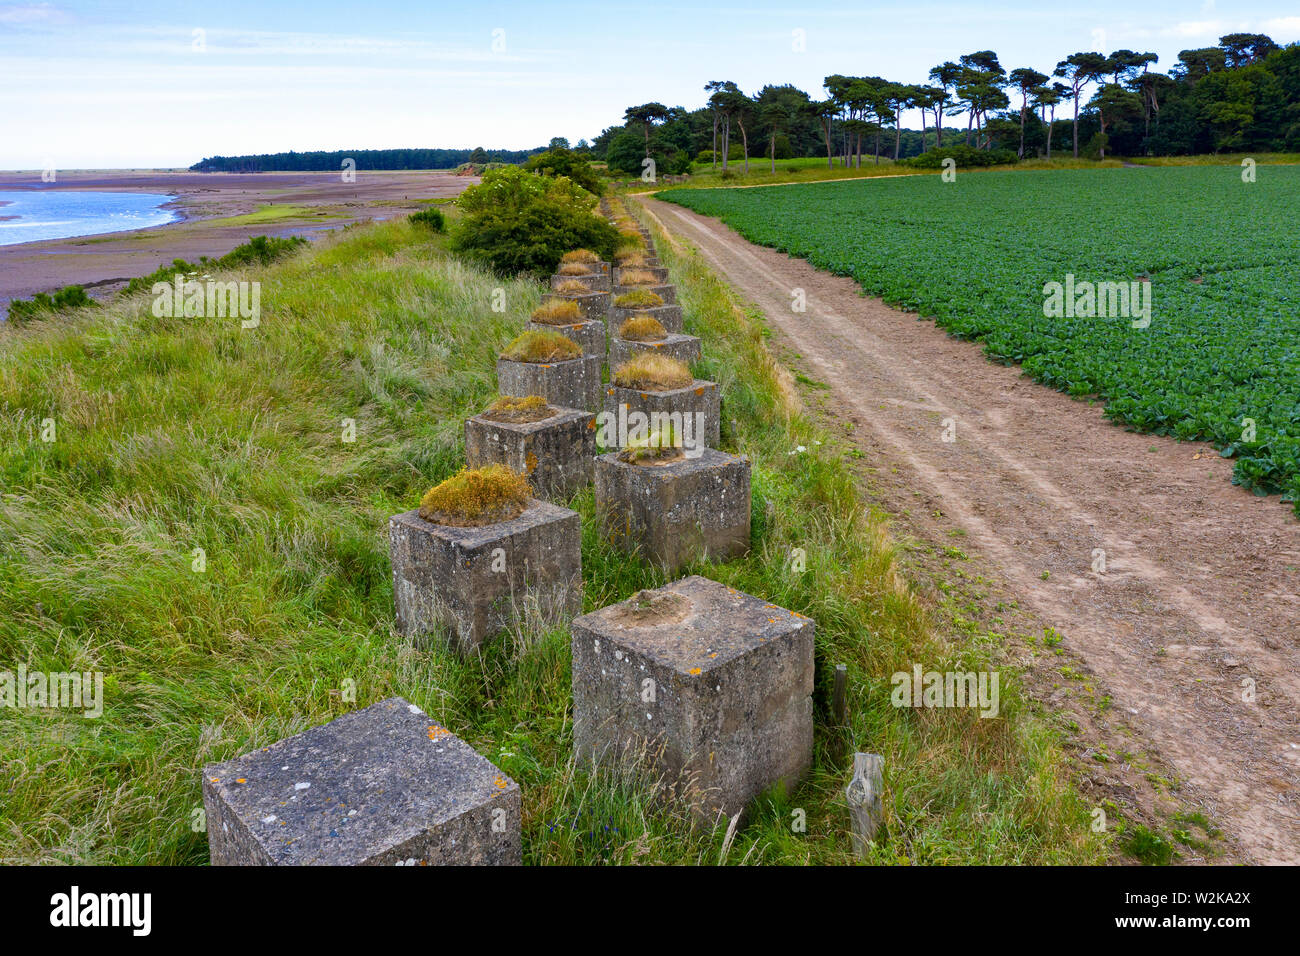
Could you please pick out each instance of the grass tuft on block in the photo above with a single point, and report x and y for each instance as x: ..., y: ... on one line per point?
x: 642, y: 328
x: 572, y: 287
x: 637, y: 277
x: 541, y: 346
x: 639, y: 299
x: 557, y: 312
x: 573, y: 269
x: 472, y: 498
x: 579, y: 256
x: 653, y: 373
x: 519, y: 410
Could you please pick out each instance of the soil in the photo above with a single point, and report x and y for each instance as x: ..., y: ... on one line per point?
x: 105, y: 263
x: 1195, y: 605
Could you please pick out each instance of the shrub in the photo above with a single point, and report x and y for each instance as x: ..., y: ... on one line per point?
x: 557, y: 312
x: 474, y: 497
x: 653, y: 373
x: 573, y: 269
x: 518, y: 222
x: 69, y: 297
x: 511, y: 408
x: 965, y: 156
x: 642, y: 328
x: 565, y: 162
x: 637, y: 277
x: 542, y: 345
x: 432, y: 218
x: 261, y: 250
x: 639, y: 299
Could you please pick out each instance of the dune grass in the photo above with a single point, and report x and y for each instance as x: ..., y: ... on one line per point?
x: 209, y: 529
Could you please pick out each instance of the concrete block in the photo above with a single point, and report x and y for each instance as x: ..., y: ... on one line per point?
x: 470, y: 583
x: 675, y: 511
x: 593, y: 305
x: 685, y: 348
x: 711, y: 685
x: 381, y: 786
x: 574, y: 383
x: 699, y: 406
x: 666, y: 292
x: 555, y: 453
x: 670, y: 317
x: 589, y: 334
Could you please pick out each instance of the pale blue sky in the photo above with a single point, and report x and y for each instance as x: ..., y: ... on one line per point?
x: 114, y: 84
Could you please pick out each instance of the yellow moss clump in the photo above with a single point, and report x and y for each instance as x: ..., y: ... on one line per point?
x: 637, y: 277
x: 519, y: 409
x: 639, y: 299
x: 572, y: 287
x: 542, y: 345
x: 580, y: 255
x: 557, y: 312
x: 653, y: 372
x: 475, y: 497
x: 642, y: 328
x: 573, y: 269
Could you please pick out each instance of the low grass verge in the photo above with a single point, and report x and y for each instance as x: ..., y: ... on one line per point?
x: 208, y: 529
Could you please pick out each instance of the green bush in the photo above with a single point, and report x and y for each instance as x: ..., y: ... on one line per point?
x: 966, y: 157
x: 433, y: 218
x: 517, y: 222
x: 260, y: 250
x: 565, y: 162
x: 69, y: 297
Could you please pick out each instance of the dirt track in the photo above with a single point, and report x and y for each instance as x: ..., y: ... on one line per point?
x: 1201, y: 589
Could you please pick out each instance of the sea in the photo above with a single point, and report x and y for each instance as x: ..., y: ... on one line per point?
x: 29, y: 215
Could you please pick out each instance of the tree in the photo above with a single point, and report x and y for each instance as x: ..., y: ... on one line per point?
x: 946, y: 75
x: 724, y: 101
x: 777, y: 109
x: 929, y: 98
x: 558, y: 142
x: 1113, y: 100
x: 825, y: 111
x: 561, y: 161
x: 1242, y: 49
x: 1194, y: 64
x: 647, y: 114
x: 1046, y: 99
x: 1025, y: 80
x: 711, y: 87
x: 980, y: 86
x: 1080, y: 69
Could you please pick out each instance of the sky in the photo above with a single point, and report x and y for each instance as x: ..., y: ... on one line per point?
x: 161, y: 83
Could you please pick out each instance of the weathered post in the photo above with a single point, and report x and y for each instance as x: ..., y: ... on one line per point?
x: 863, y: 793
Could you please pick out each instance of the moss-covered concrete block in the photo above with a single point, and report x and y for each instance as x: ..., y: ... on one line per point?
x: 673, y: 512
x: 665, y: 291
x: 595, y: 281
x: 381, y: 786
x: 685, y: 348
x: 699, y: 406
x: 555, y: 453
x: 589, y: 334
x: 711, y: 685
x: 593, y: 305
x: 670, y: 317
x: 574, y: 383
x: 471, y: 583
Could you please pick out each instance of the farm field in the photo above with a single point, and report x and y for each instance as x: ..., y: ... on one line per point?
x: 1221, y: 349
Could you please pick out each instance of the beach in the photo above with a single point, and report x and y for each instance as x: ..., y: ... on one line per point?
x: 218, y: 212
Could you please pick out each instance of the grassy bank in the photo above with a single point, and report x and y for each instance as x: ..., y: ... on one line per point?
x: 180, y: 434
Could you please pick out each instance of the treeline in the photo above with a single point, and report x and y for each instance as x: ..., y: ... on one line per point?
x: 333, y: 160
x: 1242, y: 95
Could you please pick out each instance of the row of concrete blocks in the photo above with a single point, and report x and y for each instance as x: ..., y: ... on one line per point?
x: 705, y: 688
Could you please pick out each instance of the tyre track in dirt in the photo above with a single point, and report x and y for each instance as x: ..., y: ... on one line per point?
x: 1201, y: 589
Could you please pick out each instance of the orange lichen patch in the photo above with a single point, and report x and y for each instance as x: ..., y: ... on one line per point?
x: 557, y: 312
x: 695, y: 670
x: 642, y: 327
x: 700, y: 390
x: 435, y: 732
x: 573, y: 287
x: 474, y: 497
x: 541, y: 345
x: 580, y: 255
x: 653, y: 372
x: 242, y: 780
x: 637, y: 277
x: 530, y: 463
x: 501, y: 782
x: 639, y: 299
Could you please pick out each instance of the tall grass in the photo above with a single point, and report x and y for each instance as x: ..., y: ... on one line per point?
x: 180, y: 434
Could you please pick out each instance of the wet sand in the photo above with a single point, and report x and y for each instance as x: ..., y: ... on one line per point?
x: 310, y: 203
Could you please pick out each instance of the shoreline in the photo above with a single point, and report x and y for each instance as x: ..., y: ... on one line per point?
x: 217, y: 212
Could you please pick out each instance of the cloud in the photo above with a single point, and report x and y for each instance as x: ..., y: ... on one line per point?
x: 29, y: 14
